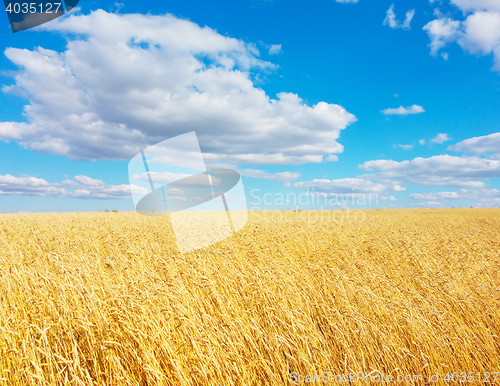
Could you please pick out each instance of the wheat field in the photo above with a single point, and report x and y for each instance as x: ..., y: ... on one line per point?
x: 105, y: 298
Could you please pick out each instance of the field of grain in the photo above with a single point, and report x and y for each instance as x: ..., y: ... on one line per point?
x: 105, y: 299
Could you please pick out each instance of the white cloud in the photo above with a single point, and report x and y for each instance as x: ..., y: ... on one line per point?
x: 492, y: 203
x: 128, y: 81
x: 390, y: 19
x: 413, y: 109
x: 481, y: 32
x: 175, y: 191
x: 275, y: 49
x: 406, y: 147
x: 463, y: 194
x: 421, y: 141
x: 180, y: 179
x: 437, y: 13
x: 408, y: 17
x: 482, y: 196
x: 440, y: 138
x: 346, y: 185
x: 441, y: 32
x: 267, y: 159
x: 88, y: 188
x: 180, y: 199
x: 12, y: 130
x: 28, y: 186
x: 331, y: 158
x: 347, y: 1
x: 477, y: 5
x: 82, y: 187
x: 388, y: 198
x: 84, y: 180
x: 432, y: 204
x: 478, y: 34
x: 479, y: 145
x: 162, y: 178
x: 440, y: 170
x: 282, y: 177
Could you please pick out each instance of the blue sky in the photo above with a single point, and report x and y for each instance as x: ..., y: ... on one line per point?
x: 398, y: 99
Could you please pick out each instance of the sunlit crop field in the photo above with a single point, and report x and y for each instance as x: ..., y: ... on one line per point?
x: 105, y: 298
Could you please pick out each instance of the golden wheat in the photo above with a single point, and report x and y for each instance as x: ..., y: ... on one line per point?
x: 105, y: 298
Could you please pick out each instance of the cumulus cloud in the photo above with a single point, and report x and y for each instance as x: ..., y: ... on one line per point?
x: 479, y: 145
x: 421, y: 141
x: 128, y: 81
x: 441, y: 32
x: 413, y: 109
x: 478, y: 34
x: 346, y: 185
x: 81, y: 187
x: 440, y: 138
x: 440, y: 170
x: 481, y: 32
x: 406, y: 147
x: 282, y: 177
x: 29, y: 186
x: 390, y: 19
